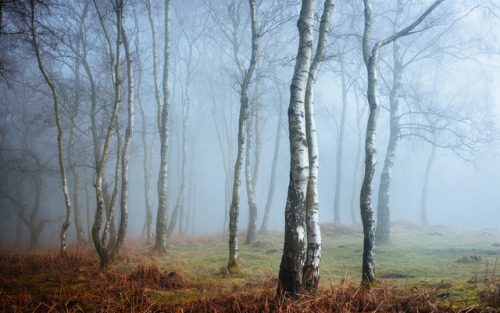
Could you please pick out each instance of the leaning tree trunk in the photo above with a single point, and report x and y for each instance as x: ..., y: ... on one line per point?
x: 425, y: 187
x: 65, y: 226
x: 382, y: 234
x: 313, y: 252
x: 292, y: 261
x: 272, y: 182
x: 161, y: 218
x: 232, y: 264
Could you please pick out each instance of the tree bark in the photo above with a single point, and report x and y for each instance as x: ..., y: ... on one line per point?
x: 292, y: 261
x: 161, y: 218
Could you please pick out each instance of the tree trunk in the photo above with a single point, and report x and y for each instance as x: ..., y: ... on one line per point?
x: 292, y: 261
x: 109, y: 226
x: 65, y: 226
x: 80, y: 235
x: 370, y: 59
x: 272, y: 182
x: 71, y: 147
x: 148, y: 227
x: 155, y: 60
x: 232, y: 264
x: 313, y: 252
x: 382, y: 234
x: 161, y: 218
x: 179, y: 206
x: 126, y: 146
x: 252, y: 206
x: 425, y: 187
x: 99, y: 244
x: 87, y: 203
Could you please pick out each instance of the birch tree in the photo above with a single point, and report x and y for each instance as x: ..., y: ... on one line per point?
x: 313, y: 252
x: 292, y: 261
x: 247, y: 73
x: 48, y: 80
x: 148, y: 225
x: 126, y: 147
x: 100, y: 244
x: 161, y: 218
x: 370, y: 57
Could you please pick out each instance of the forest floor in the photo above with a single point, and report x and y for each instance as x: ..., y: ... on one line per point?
x: 435, y: 269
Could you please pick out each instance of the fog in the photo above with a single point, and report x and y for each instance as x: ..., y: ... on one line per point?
x: 448, y: 100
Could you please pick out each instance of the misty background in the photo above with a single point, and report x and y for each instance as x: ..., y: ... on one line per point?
x: 451, y: 82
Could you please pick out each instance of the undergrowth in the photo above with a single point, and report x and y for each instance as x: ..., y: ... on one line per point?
x: 140, y: 281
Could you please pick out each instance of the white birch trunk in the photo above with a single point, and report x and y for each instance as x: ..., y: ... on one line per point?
x: 122, y: 231
x: 67, y: 222
x: 371, y: 58
x: 232, y: 264
x: 161, y: 218
x: 292, y: 261
x: 313, y: 252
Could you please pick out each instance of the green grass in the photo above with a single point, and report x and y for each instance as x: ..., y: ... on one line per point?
x: 415, y: 258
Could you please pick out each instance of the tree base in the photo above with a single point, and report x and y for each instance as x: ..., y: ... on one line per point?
x: 369, y: 284
x: 233, y: 267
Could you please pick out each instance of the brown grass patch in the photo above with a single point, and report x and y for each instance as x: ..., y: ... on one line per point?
x: 49, y: 282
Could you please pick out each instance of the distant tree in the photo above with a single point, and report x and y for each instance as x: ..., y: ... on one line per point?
x: 192, y: 31
x: 272, y: 182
